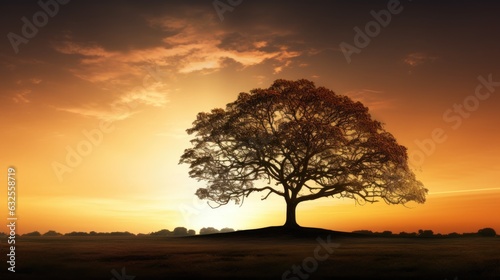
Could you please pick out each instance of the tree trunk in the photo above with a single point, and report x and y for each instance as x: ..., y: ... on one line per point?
x: 291, y: 221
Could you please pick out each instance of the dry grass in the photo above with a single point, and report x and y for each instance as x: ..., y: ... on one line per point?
x: 253, y: 258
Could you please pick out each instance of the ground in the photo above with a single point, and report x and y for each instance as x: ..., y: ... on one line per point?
x: 262, y: 254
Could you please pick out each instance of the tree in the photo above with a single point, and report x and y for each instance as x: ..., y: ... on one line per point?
x: 77, y: 233
x: 386, y: 233
x: 163, y: 232
x: 52, y: 233
x: 363, y: 231
x: 208, y: 230
x: 406, y: 234
x: 226, y: 230
x: 487, y: 232
x: 305, y: 142
x: 180, y: 231
x: 453, y: 234
x: 34, y: 233
x: 425, y: 233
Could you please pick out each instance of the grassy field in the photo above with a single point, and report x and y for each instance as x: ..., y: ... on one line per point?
x: 247, y: 256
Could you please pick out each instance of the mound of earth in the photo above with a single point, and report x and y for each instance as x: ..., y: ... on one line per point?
x: 280, y: 232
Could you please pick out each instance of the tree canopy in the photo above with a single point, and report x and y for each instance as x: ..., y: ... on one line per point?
x: 304, y: 142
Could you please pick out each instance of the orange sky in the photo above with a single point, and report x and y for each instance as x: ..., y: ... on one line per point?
x: 94, y: 108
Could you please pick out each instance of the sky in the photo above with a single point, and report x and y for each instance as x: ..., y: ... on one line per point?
x: 96, y: 96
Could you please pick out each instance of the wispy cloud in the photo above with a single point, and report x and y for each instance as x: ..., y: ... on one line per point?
x: 418, y: 58
x: 101, y: 114
x: 35, y: 81
x: 126, y: 105
x: 91, y: 50
x: 155, y: 95
x: 21, y: 97
x: 373, y: 99
x: 190, y: 45
x: 465, y: 191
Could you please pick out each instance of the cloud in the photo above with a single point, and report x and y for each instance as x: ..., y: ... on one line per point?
x: 189, y: 46
x: 373, y: 99
x: 117, y: 114
x: 200, y: 50
x: 20, y: 97
x: 126, y: 105
x: 449, y: 192
x: 91, y: 50
x: 194, y: 44
x: 418, y: 58
x: 151, y: 96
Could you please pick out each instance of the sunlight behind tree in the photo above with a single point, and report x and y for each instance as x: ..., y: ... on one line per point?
x: 306, y: 142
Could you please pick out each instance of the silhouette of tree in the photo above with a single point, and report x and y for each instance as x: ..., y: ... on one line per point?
x: 77, y: 233
x: 470, y: 234
x: 163, y: 232
x: 363, y: 231
x: 306, y: 142
x: 117, y: 233
x: 180, y: 231
x: 425, y: 233
x: 52, y: 233
x: 227, y: 230
x: 34, y: 233
x: 487, y: 232
x: 208, y: 230
x: 386, y: 233
x: 407, y: 234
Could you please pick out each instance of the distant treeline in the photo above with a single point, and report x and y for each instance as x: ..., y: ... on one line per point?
x: 484, y: 232
x: 182, y: 231
x: 178, y: 231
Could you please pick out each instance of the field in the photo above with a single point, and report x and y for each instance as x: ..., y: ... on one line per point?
x: 254, y: 255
